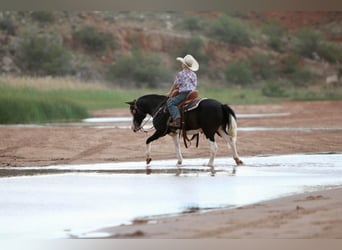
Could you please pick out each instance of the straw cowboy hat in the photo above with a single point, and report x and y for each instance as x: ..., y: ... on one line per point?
x: 190, y: 62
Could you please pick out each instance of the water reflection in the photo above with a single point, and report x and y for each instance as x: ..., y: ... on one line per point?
x: 82, y: 198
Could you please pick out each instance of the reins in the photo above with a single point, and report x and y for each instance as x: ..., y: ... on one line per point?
x: 141, y: 127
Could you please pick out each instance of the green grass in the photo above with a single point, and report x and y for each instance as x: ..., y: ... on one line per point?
x: 23, y: 104
x: 29, y: 105
x: 237, y: 96
x: 102, y: 99
x: 46, y: 100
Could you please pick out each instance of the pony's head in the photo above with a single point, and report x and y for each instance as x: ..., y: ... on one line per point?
x: 138, y: 115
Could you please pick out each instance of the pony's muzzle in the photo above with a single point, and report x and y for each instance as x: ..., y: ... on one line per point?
x: 135, y: 127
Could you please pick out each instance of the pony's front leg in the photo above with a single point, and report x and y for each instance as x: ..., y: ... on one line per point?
x: 178, y: 151
x: 148, y: 158
x: 149, y: 140
x: 148, y: 154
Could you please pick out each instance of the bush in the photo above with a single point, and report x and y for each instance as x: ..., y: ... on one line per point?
x: 290, y: 63
x: 8, y: 25
x: 262, y: 67
x: 43, y: 54
x: 230, y: 30
x: 43, y: 16
x: 92, y: 39
x: 239, y: 72
x: 140, y: 69
x: 274, y: 89
x: 192, y: 23
x: 300, y: 77
x: 330, y: 52
x: 307, y: 42
x: 274, y: 32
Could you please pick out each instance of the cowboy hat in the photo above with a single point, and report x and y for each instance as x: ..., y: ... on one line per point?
x: 190, y: 62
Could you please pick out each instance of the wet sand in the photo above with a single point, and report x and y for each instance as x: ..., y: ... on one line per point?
x: 305, y: 216
x: 316, y: 215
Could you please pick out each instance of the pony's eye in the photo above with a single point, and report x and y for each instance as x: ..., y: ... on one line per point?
x: 134, y: 111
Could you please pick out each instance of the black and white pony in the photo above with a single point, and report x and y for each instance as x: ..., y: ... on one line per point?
x: 210, y: 117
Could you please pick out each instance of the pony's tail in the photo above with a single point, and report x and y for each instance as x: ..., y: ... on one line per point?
x: 232, y: 128
x: 231, y: 122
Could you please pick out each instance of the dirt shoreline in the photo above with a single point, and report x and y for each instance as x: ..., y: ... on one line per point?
x: 304, y: 216
x: 309, y: 127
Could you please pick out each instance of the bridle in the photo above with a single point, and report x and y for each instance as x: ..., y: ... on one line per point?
x: 136, y: 110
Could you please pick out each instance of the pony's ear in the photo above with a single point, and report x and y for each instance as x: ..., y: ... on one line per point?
x: 130, y: 103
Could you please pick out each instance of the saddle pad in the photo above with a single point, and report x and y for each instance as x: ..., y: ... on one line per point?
x: 193, y: 104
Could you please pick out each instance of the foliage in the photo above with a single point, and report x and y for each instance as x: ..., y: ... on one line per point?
x: 33, y: 106
x: 239, y: 72
x: 300, y: 77
x: 94, y: 40
x: 230, y: 30
x: 310, y: 43
x: 40, y: 53
x: 8, y: 25
x: 262, y: 66
x: 192, y: 23
x: 290, y: 63
x: 274, y: 89
x: 43, y: 16
x: 274, y: 32
x: 307, y: 42
x: 330, y: 52
x: 142, y: 69
x: 43, y: 54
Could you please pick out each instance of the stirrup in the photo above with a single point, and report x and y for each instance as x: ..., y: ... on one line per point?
x: 175, y: 124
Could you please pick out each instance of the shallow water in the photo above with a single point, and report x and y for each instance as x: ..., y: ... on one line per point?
x: 125, y: 123
x: 81, y: 198
x: 129, y: 119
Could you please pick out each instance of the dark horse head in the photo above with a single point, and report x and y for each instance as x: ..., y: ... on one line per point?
x: 145, y: 105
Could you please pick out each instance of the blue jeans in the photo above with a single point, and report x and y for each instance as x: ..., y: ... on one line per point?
x: 173, y: 102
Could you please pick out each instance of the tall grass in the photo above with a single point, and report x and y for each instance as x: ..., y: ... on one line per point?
x: 32, y: 100
x: 28, y: 105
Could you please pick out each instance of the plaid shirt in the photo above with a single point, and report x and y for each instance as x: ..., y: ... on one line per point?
x: 186, y: 79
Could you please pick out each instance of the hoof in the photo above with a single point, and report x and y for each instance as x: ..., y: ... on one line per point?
x: 212, y: 171
x: 238, y: 162
x: 178, y: 172
x: 148, y: 160
x: 148, y: 171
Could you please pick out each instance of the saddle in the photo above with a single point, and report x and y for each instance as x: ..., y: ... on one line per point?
x: 191, y: 102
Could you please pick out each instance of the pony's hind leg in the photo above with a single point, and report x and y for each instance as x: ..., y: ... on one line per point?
x: 213, y: 151
x: 175, y: 139
x: 232, y: 143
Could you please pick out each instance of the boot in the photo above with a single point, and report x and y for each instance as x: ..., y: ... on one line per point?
x: 176, y: 123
